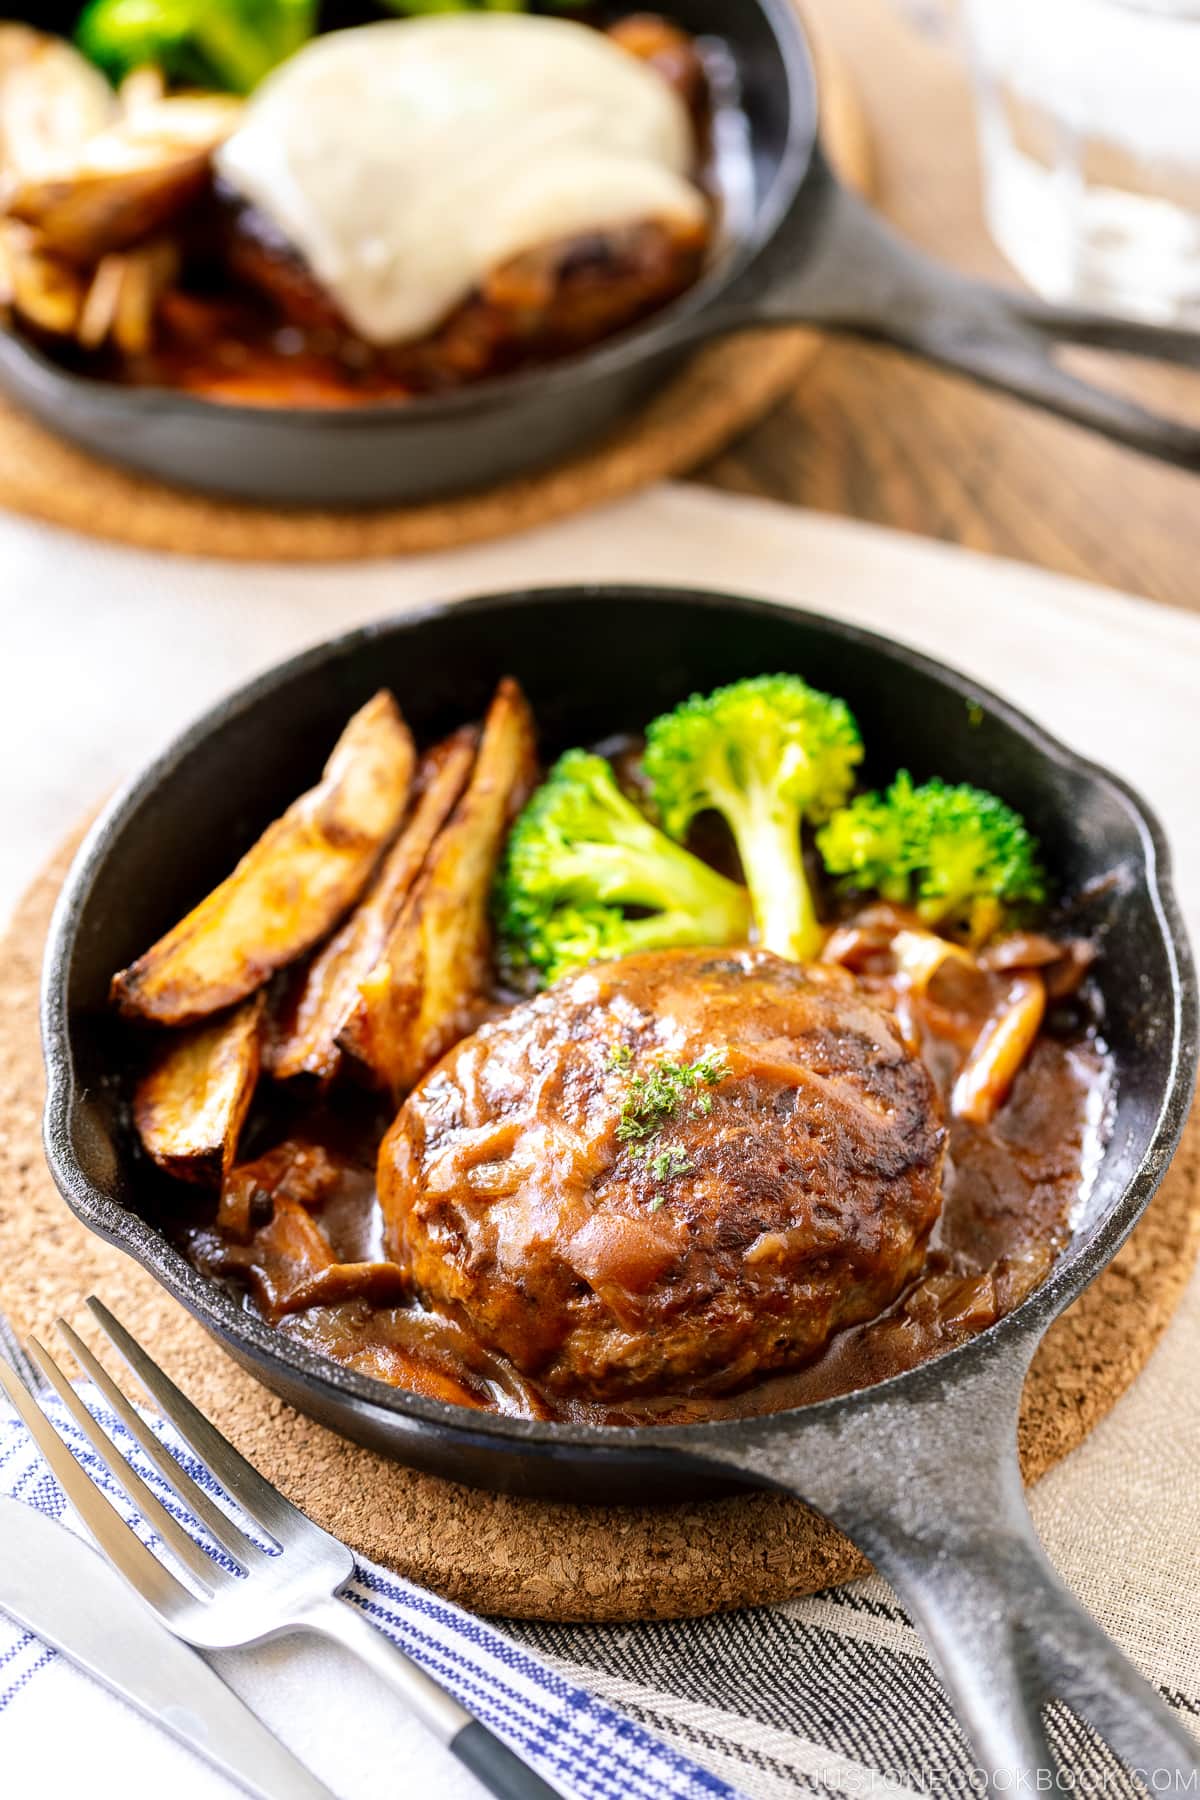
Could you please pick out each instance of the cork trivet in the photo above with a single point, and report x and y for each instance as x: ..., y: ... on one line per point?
x: 528, y: 1558
x: 720, y: 393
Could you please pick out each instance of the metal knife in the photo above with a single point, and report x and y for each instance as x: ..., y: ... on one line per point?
x: 66, y: 1594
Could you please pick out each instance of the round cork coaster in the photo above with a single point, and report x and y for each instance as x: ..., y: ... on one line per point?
x: 720, y: 393
x: 494, y: 1553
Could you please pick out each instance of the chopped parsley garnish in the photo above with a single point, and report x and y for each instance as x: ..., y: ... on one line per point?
x: 656, y: 1098
x: 671, y: 1161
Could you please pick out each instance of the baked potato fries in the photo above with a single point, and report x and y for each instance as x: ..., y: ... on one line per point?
x: 92, y: 182
x: 354, y: 931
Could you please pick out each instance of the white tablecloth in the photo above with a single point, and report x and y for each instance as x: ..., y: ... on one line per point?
x: 107, y: 652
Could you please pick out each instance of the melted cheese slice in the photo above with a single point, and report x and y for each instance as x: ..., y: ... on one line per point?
x: 405, y: 160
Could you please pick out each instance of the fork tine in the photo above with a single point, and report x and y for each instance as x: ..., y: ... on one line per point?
x: 222, y: 1527
x: 119, y: 1542
x: 180, y: 1542
x: 241, y: 1481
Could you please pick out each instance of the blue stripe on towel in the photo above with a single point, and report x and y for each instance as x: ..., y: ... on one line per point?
x: 579, y: 1742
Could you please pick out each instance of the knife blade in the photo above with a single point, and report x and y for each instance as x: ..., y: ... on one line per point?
x: 63, y: 1591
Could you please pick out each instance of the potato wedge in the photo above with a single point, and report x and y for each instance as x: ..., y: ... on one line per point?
x: 128, y: 181
x: 52, y: 101
x: 291, y: 888
x: 303, y: 1040
x: 190, y: 1107
x: 430, y: 985
x: 148, y: 273
x: 141, y: 88
x: 45, y: 291
x: 122, y: 301
x: 99, y: 309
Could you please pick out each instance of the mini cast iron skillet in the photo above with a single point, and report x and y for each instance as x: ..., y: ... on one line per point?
x: 921, y: 1470
x: 802, y: 249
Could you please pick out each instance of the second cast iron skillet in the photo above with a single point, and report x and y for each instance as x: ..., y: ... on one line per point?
x: 801, y: 250
x: 921, y: 1470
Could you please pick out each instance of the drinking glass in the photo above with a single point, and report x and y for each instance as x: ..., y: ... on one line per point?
x: 1089, y: 125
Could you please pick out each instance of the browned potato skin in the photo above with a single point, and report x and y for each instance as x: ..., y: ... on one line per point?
x: 83, y: 220
x: 291, y: 888
x: 131, y: 180
x: 190, y: 1108
x: 304, y: 1038
x: 43, y: 289
x: 430, y: 986
x: 52, y: 101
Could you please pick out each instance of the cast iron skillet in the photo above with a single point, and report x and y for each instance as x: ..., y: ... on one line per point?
x: 921, y: 1470
x: 808, y: 252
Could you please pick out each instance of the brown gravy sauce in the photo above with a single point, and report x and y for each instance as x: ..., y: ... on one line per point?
x: 299, y: 1232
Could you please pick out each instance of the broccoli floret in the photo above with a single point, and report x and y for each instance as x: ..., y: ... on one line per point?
x: 959, y: 855
x: 769, y: 754
x: 579, y: 857
x: 203, y: 43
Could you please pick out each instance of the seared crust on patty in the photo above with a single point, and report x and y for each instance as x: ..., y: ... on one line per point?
x: 800, y: 1201
x: 547, y: 303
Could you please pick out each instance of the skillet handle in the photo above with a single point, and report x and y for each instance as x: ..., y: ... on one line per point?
x: 930, y: 1489
x: 835, y: 262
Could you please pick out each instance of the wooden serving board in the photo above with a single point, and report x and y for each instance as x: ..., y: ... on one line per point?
x: 493, y: 1553
x: 723, y: 391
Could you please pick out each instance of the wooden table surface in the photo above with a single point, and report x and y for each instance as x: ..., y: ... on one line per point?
x: 875, y: 434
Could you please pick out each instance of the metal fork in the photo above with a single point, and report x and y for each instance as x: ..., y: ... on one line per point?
x: 298, y: 1588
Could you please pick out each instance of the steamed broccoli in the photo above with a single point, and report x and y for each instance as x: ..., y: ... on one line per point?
x: 203, y: 43
x: 579, y: 857
x: 769, y: 755
x: 959, y: 855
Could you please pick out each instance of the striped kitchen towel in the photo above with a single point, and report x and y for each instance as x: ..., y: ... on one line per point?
x: 829, y: 1696
x: 582, y: 1744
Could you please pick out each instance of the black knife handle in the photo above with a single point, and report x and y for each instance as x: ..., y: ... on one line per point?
x: 500, y: 1769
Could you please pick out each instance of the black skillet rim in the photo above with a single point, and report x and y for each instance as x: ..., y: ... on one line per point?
x: 640, y: 342
x: 219, y: 1312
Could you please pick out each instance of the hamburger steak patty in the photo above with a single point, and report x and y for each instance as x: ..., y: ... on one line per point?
x: 557, y: 298
x: 787, y: 1191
